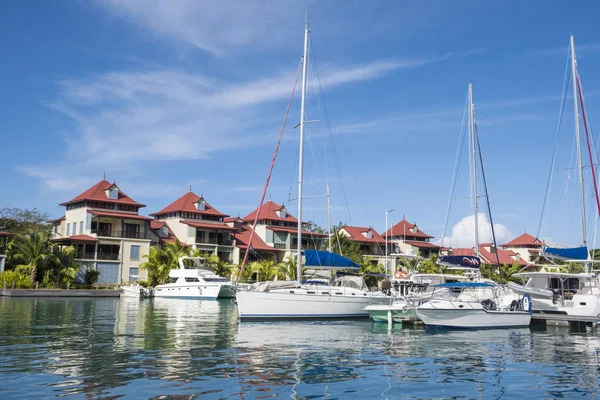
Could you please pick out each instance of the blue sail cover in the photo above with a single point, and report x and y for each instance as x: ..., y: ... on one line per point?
x: 325, y: 259
x: 570, y: 253
x: 460, y: 261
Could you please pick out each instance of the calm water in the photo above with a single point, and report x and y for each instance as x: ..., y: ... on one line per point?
x: 106, y: 348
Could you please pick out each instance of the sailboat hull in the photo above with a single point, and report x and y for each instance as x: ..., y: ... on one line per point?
x: 285, y: 305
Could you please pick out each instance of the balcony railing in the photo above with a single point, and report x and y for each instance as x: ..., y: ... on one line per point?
x: 281, y: 246
x: 223, y: 242
x: 92, y: 256
x: 120, y: 234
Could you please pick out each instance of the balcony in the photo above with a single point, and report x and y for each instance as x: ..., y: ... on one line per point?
x: 82, y: 255
x: 282, y: 246
x: 222, y: 242
x: 119, y: 234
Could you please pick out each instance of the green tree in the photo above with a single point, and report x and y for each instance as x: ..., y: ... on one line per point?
x: 23, y: 221
x: 266, y: 270
x: 219, y: 267
x: 242, y: 276
x: 159, y: 263
x: 61, y: 267
x: 312, y: 227
x: 32, y: 250
x: 289, y: 269
x: 369, y: 270
x: 340, y: 244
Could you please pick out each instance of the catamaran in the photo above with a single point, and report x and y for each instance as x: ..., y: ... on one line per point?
x: 551, y: 291
x: 344, y: 295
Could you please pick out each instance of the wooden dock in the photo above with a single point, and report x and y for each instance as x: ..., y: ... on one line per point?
x: 574, y: 321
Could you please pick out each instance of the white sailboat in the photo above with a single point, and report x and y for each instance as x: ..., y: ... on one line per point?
x: 196, y: 281
x: 344, y: 296
x: 553, y: 292
x: 473, y: 304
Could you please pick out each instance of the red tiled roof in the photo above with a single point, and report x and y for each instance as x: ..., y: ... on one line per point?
x: 403, y: 228
x: 505, y: 256
x: 186, y: 204
x: 268, y: 211
x: 5, y: 234
x: 118, y: 215
x: 524, y: 240
x: 243, y: 237
x: 294, y: 230
x: 423, y: 244
x: 54, y: 221
x: 232, y: 219
x: 208, y: 225
x: 357, y: 234
x: 77, y: 238
x: 157, y: 225
x: 98, y: 193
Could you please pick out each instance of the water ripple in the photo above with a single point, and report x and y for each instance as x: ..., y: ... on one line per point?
x: 184, y: 349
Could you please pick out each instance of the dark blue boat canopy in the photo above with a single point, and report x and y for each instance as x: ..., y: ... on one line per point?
x: 327, y: 260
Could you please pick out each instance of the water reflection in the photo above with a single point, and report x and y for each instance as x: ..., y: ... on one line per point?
x: 183, y: 348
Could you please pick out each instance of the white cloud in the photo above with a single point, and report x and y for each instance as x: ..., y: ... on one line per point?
x: 463, y: 233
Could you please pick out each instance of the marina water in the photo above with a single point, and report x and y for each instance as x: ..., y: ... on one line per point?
x: 172, y: 348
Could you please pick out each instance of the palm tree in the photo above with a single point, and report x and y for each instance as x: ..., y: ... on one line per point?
x: 61, y: 265
x: 32, y: 249
x: 158, y: 265
x: 266, y: 270
x: 288, y: 268
x: 370, y: 272
x: 242, y: 276
x: 219, y: 267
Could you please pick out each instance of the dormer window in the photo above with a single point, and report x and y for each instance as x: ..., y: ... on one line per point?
x: 163, y: 232
x: 282, y: 212
x: 201, y: 205
x: 113, y: 192
x: 368, y: 234
x: 414, y: 229
x: 518, y: 257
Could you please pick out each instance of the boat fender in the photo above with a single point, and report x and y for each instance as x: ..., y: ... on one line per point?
x: 526, y: 302
x: 418, y: 304
x: 401, y: 274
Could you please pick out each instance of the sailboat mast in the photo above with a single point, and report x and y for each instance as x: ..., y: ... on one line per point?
x: 328, y: 219
x: 301, y: 156
x: 473, y: 167
x: 578, y: 139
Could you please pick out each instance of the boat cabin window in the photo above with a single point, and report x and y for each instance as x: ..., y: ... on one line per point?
x: 173, y: 280
x: 192, y: 280
x: 566, y: 284
x: 218, y: 279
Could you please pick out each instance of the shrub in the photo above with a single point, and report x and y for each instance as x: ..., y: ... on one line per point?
x: 91, y: 276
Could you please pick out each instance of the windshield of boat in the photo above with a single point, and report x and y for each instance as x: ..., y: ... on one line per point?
x: 217, y: 279
x: 350, y: 281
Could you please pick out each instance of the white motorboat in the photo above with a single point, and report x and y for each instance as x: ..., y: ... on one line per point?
x: 135, y: 290
x: 417, y: 288
x: 345, y: 296
x: 194, y: 280
x: 469, y: 311
x: 561, y: 293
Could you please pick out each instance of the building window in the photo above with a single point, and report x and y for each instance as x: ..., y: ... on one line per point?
x: 68, y: 230
x: 80, y: 227
x: 134, y: 254
x: 74, y: 228
x: 134, y: 274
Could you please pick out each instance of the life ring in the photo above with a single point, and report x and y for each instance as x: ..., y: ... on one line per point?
x: 401, y: 274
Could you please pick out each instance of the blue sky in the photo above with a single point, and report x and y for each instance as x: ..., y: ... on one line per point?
x: 161, y: 95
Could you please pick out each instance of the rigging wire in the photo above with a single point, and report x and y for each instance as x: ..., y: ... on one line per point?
x: 457, y: 159
x: 553, y: 160
x: 487, y: 199
x: 262, y: 198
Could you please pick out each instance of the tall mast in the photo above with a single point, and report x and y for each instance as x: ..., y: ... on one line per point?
x: 473, y: 166
x: 328, y: 219
x: 301, y: 157
x: 578, y: 138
